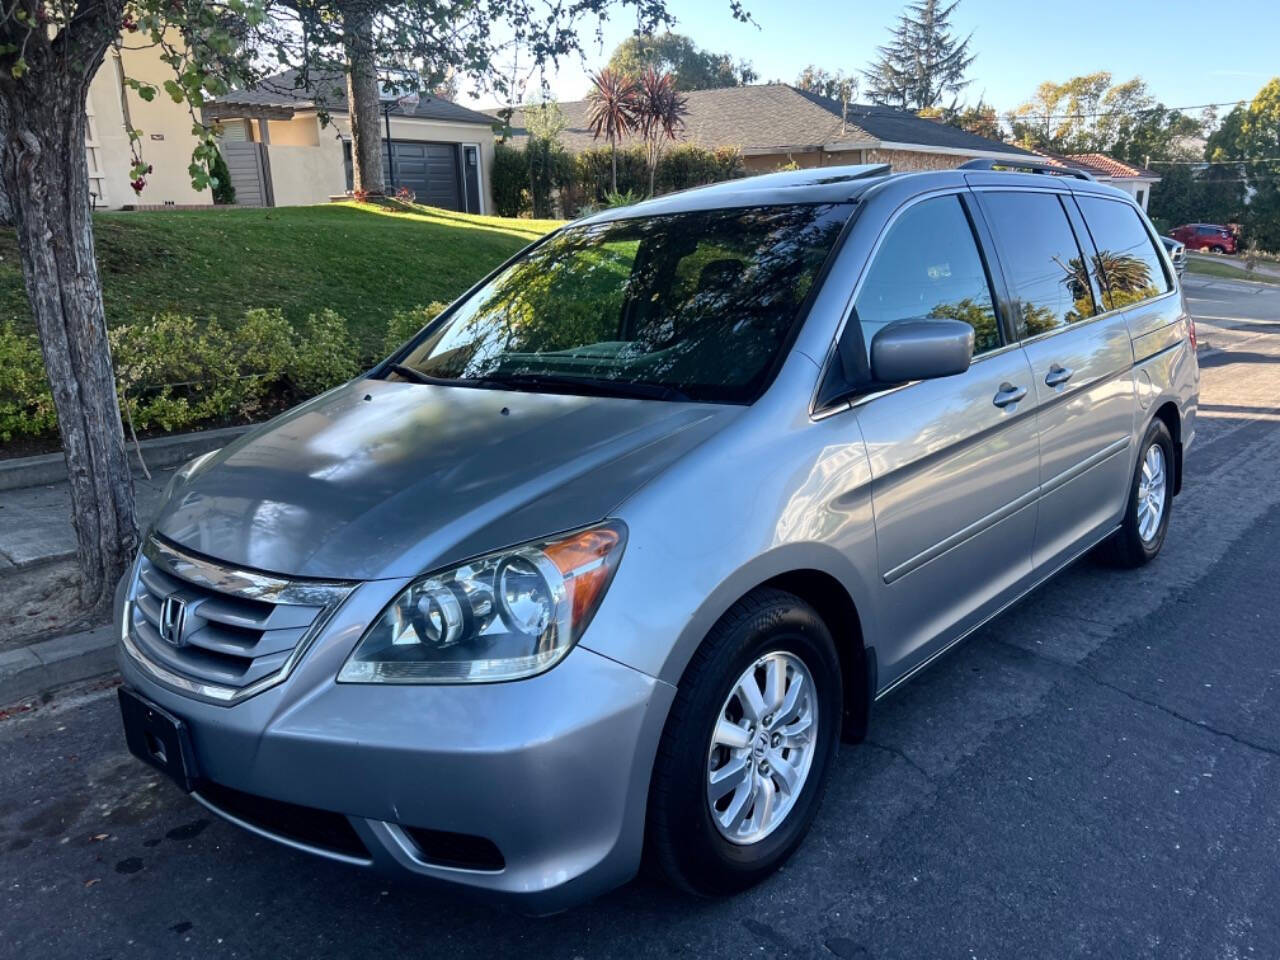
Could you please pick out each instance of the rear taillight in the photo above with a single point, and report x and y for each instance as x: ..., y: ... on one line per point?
x: 1191, y: 331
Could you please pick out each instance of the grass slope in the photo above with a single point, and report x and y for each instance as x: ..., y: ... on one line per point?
x: 1228, y: 271
x: 361, y: 260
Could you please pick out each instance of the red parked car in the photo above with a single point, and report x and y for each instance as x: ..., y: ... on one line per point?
x: 1206, y: 236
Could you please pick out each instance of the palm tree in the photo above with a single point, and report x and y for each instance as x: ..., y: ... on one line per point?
x: 612, y: 111
x: 659, y: 111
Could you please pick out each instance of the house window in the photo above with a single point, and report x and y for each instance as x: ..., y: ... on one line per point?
x: 1142, y: 199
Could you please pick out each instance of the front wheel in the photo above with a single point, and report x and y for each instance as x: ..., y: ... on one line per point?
x: 1146, y: 520
x: 1217, y: 249
x: 747, y: 746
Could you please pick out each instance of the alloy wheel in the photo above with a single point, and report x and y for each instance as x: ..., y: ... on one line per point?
x: 1151, y: 493
x: 762, y: 748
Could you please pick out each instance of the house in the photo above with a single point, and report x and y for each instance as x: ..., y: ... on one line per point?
x: 280, y: 154
x: 112, y: 109
x: 276, y: 149
x: 775, y: 124
x: 1132, y: 179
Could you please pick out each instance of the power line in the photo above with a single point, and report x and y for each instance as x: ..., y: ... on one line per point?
x: 1081, y: 114
x: 1216, y: 163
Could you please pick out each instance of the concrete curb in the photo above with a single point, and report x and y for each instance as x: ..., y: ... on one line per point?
x: 39, y: 667
x: 159, y: 453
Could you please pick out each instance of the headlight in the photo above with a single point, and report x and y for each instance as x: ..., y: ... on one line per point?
x: 502, y: 616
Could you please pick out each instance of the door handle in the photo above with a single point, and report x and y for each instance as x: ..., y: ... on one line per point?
x: 1008, y: 394
x: 1057, y: 376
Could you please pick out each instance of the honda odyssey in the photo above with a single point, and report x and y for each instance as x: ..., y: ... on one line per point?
x: 604, y: 562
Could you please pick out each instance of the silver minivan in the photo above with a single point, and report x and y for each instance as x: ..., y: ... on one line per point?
x: 603, y: 563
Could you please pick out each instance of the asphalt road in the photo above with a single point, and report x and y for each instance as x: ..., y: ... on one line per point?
x: 1093, y: 774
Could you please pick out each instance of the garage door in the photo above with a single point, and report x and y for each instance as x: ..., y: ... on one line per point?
x: 430, y: 170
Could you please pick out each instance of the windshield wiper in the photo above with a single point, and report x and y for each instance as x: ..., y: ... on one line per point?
x: 597, y: 386
x: 417, y: 376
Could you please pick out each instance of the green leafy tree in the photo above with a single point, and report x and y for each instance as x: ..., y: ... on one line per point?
x: 924, y: 62
x: 49, y: 52
x: 691, y: 67
x: 544, y: 154
x: 1090, y: 114
x: 1243, y: 150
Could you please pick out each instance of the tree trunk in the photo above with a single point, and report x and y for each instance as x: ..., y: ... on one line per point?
x: 44, y: 169
x: 363, y: 102
x: 613, y: 155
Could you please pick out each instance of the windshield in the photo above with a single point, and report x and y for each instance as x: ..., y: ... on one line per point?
x: 684, y: 306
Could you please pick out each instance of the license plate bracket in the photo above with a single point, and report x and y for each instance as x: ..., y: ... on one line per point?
x: 156, y: 736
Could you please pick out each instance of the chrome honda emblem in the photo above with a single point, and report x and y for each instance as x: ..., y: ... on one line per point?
x: 173, y: 619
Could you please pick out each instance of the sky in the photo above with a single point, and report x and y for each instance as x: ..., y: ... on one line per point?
x: 1188, y: 52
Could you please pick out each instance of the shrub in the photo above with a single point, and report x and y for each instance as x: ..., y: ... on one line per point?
x: 509, y: 180
x: 325, y: 356
x: 595, y: 173
x: 404, y: 324
x: 26, y: 406
x: 223, y: 190
x: 688, y: 166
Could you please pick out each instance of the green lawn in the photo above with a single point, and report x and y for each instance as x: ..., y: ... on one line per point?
x: 363, y: 261
x: 1228, y: 271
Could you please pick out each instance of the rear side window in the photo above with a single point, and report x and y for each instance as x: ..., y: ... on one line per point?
x: 928, y: 267
x: 1127, y: 266
x: 1041, y: 260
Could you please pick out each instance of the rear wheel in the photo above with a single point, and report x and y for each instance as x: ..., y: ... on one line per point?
x: 1217, y: 248
x: 1146, y: 520
x: 747, y: 747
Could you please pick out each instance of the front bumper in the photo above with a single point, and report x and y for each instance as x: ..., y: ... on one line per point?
x: 552, y: 770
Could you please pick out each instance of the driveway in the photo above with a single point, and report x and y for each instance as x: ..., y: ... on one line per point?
x: 1095, y: 773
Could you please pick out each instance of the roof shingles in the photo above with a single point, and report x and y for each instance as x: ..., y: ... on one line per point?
x: 777, y: 118
x: 330, y: 91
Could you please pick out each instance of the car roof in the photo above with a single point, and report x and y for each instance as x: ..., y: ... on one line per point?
x: 840, y: 184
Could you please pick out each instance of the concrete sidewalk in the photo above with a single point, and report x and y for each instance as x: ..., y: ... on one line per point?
x: 38, y: 573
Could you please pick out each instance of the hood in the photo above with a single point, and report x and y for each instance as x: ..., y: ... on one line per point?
x: 378, y: 479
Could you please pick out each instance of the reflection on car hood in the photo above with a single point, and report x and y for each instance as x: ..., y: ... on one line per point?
x: 380, y: 479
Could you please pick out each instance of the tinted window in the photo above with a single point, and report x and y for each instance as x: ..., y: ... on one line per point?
x: 1041, y: 260
x: 929, y: 267
x: 1127, y: 266
x: 701, y: 303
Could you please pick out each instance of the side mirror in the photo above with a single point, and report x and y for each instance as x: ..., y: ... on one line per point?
x: 921, y: 350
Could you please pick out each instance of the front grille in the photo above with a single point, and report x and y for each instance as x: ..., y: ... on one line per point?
x: 232, y: 633
x: 321, y: 829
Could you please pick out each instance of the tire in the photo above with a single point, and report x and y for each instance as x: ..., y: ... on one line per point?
x: 1217, y: 249
x: 1137, y: 542
x: 683, y: 842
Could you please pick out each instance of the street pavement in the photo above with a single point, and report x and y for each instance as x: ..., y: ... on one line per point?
x: 1094, y: 773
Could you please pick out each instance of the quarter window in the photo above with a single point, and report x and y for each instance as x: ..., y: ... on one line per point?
x: 1127, y: 266
x: 1041, y: 260
x: 928, y: 267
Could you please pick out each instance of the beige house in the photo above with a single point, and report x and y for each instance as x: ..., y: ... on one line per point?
x: 280, y: 153
x: 277, y: 150
x: 774, y: 124
x: 113, y: 109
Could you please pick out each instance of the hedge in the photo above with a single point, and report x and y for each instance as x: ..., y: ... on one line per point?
x: 173, y: 373
x: 587, y: 179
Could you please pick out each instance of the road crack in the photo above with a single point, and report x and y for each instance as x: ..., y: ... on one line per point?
x: 1074, y: 669
x: 901, y: 755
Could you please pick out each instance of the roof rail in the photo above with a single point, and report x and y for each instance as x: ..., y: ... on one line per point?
x: 1031, y: 166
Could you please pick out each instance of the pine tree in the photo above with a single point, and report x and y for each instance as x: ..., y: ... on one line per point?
x: 923, y: 62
